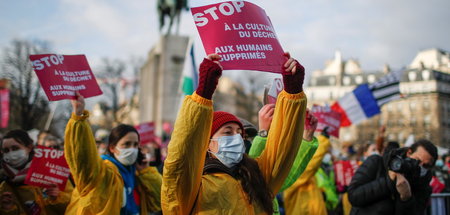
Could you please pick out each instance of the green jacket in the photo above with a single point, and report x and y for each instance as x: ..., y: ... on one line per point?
x: 326, y: 183
x: 304, y: 155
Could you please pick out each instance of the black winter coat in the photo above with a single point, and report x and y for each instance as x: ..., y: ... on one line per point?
x: 371, y: 191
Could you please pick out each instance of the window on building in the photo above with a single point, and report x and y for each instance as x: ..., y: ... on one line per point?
x: 412, y: 105
x: 412, y: 76
x: 427, y: 120
x: 346, y: 80
x: 399, y: 106
x: 390, y: 107
x: 371, y: 78
x: 426, y: 105
x: 332, y: 81
x: 426, y: 75
x: 359, y: 79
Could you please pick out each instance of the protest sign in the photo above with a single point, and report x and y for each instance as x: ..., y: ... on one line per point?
x: 146, y: 132
x: 4, y: 103
x: 436, y: 185
x: 344, y: 171
x: 275, y: 89
x: 62, y: 75
x: 241, y: 33
x: 327, y: 118
x: 48, y: 167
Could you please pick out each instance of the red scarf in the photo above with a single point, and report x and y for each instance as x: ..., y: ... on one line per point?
x: 16, y: 176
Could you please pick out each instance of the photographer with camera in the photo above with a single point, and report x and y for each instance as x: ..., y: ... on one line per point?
x: 397, y: 183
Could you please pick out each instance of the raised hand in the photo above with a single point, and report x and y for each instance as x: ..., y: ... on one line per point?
x: 293, y: 75
x: 265, y: 116
x: 52, y: 191
x: 210, y: 72
x: 78, y: 105
x: 311, y: 126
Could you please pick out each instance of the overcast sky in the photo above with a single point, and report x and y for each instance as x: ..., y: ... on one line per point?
x: 374, y: 32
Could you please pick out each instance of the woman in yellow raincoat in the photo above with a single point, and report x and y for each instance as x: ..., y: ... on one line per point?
x: 17, y: 197
x: 206, y: 171
x: 115, y: 183
x: 304, y: 196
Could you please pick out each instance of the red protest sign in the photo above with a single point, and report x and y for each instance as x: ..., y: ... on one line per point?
x: 48, y: 167
x: 344, y: 171
x: 241, y: 33
x: 326, y: 117
x: 436, y: 185
x: 61, y: 75
x: 4, y: 103
x: 146, y: 132
x: 275, y: 89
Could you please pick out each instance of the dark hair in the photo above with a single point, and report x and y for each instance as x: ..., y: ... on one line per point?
x: 118, y: 133
x: 390, y: 146
x: 254, y: 184
x: 428, y: 146
x: 19, y: 136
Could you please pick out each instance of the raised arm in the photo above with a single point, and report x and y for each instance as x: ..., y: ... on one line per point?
x: 187, y: 149
x: 286, y: 130
x: 306, y: 151
x: 80, y: 150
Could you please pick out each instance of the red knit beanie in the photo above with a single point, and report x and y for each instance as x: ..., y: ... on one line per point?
x: 220, y: 118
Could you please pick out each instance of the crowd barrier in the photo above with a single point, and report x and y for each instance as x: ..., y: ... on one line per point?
x: 440, y: 204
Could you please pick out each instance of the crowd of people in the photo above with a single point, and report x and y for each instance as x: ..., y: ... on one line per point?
x: 217, y: 163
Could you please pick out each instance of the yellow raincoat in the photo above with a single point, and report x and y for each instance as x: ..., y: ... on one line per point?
x: 186, y: 190
x: 34, y: 199
x: 99, y: 185
x: 304, y: 197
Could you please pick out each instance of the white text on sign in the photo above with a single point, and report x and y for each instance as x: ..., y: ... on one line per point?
x: 226, y: 9
x: 48, y: 61
x: 48, y: 153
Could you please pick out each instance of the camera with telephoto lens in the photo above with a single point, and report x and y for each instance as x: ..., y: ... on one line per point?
x: 409, y: 167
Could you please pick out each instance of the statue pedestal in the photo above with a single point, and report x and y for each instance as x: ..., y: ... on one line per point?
x: 160, y: 80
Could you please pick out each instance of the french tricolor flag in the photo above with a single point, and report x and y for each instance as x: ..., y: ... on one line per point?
x: 356, y: 106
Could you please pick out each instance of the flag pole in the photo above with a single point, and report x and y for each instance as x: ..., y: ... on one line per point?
x: 50, y: 117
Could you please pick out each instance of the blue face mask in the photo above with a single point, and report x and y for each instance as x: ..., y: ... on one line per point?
x: 439, y: 163
x: 231, y: 149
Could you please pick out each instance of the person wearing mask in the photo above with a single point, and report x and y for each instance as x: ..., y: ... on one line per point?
x: 304, y: 155
x: 118, y: 182
x: 16, y: 197
x: 397, y: 183
x: 207, y: 171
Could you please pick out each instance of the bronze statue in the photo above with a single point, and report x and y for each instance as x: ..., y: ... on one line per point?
x: 172, y: 10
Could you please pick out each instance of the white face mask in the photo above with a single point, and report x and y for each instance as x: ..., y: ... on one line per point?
x: 231, y: 149
x: 16, y: 158
x: 127, y: 156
